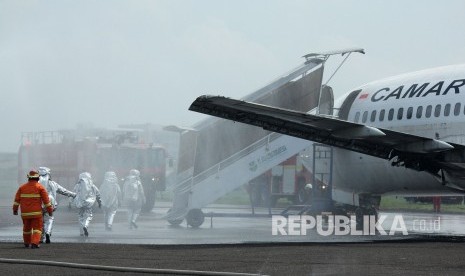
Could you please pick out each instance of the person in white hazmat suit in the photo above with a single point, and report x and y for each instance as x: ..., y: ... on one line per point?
x: 86, y: 195
x: 133, y: 196
x: 110, y: 193
x: 45, y: 179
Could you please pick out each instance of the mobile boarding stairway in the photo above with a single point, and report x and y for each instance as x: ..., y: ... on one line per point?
x: 194, y: 191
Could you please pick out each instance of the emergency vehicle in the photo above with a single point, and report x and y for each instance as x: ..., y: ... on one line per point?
x: 69, y: 153
x: 287, y: 180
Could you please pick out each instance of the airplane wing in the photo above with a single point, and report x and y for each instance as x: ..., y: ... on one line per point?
x: 403, y: 149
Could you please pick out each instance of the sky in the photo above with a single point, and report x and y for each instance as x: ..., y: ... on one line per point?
x: 106, y: 63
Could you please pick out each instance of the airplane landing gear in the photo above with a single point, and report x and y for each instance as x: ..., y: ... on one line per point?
x: 195, y: 218
x: 360, y: 212
x: 369, y: 206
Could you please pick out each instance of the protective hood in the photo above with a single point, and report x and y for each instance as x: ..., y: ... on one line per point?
x: 132, y: 187
x: 109, y: 190
x: 134, y: 172
x: 85, y: 192
x: 43, y: 171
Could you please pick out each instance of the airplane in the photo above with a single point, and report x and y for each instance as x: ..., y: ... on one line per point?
x: 403, y: 135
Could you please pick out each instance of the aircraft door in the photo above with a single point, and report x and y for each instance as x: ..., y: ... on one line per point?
x: 326, y: 100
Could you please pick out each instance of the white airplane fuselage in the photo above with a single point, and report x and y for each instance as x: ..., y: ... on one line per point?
x: 429, y: 103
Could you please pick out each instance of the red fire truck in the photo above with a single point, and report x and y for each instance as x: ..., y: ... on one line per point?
x: 287, y: 180
x: 68, y: 155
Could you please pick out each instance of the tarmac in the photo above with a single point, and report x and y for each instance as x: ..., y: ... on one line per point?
x: 427, y: 257
x: 228, y: 244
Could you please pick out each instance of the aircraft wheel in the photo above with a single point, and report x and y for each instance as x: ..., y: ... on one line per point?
x: 174, y: 222
x: 373, y: 212
x: 150, y: 194
x: 195, y: 218
x: 361, y: 211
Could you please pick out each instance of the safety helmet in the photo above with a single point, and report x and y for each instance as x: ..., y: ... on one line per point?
x: 44, y: 171
x: 33, y: 174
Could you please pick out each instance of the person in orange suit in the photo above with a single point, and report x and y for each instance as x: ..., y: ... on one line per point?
x: 30, y: 197
x: 437, y: 204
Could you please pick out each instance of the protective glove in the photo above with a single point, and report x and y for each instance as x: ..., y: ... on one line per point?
x: 15, y: 213
x: 50, y: 213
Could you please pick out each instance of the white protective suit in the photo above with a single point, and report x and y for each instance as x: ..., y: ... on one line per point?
x: 86, y: 195
x: 52, y: 189
x: 133, y: 196
x: 110, y: 193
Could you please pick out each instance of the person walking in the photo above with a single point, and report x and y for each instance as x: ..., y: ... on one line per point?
x: 86, y: 195
x: 134, y: 197
x: 29, y: 198
x: 110, y: 193
x: 45, y: 179
x: 437, y: 204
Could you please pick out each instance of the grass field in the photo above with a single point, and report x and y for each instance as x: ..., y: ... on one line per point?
x: 388, y: 203
x: 399, y: 203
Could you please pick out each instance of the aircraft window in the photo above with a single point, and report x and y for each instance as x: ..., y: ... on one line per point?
x: 409, y: 112
x: 447, y: 110
x: 437, y: 110
x: 400, y: 113
x: 429, y: 108
x: 357, y: 116
x: 364, y: 117
x: 373, y: 116
x: 391, y: 114
x: 381, y: 115
x: 419, y: 111
x: 457, y: 109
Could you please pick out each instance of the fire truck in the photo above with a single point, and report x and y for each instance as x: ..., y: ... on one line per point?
x: 287, y: 180
x: 69, y: 153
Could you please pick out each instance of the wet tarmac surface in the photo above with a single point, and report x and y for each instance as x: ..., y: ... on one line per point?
x: 378, y: 258
x: 234, y: 226
x: 236, y: 242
